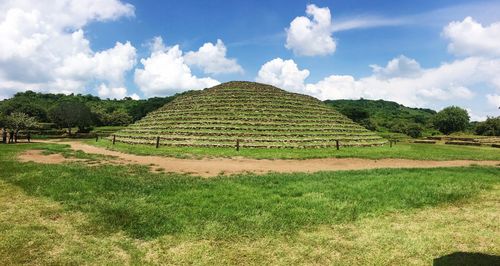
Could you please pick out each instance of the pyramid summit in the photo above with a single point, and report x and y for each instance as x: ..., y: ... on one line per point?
x: 259, y: 115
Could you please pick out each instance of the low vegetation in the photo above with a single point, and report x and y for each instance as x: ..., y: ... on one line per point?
x: 51, y: 110
x: 490, y: 127
x: 126, y: 214
x: 398, y: 151
x: 386, y: 116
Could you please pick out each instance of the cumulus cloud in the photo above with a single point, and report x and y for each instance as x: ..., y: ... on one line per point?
x: 401, y: 66
x: 106, y: 92
x: 44, y: 48
x: 446, y: 82
x: 165, y: 72
x: 112, y: 93
x: 474, y: 116
x: 109, y: 65
x: 421, y: 88
x: 72, y: 14
x: 311, y: 37
x: 470, y: 38
x: 284, y: 74
x: 212, y: 59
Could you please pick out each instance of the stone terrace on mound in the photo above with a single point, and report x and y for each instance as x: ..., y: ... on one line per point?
x: 261, y: 116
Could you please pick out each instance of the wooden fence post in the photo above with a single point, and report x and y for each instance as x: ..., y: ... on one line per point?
x: 237, y: 145
x: 157, y: 142
x: 337, y: 144
x: 114, y: 139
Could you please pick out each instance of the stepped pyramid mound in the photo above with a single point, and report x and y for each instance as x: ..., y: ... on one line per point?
x: 259, y: 115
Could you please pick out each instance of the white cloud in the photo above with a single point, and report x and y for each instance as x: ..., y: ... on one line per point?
x: 470, y: 38
x: 493, y: 100
x: 283, y: 73
x: 311, y: 37
x: 364, y: 22
x: 446, y: 82
x: 212, y: 59
x: 134, y: 96
x: 165, y: 72
x: 422, y: 87
x: 401, y: 66
x: 44, y: 48
x: 475, y: 117
x: 106, y: 92
x: 109, y: 65
x: 72, y: 14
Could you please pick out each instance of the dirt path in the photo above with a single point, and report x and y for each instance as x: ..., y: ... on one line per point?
x: 37, y: 156
x: 214, y: 166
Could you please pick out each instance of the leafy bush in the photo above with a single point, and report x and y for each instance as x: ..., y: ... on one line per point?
x: 68, y: 114
x: 490, y: 127
x: 369, y: 124
x: 414, y: 130
x: 355, y: 114
x: 451, y: 119
x: 398, y: 127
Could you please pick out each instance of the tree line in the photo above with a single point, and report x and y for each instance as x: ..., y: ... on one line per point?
x: 28, y: 110
x: 31, y: 110
x: 391, y: 117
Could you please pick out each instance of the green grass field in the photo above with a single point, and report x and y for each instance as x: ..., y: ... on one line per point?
x: 401, y: 150
x: 80, y: 214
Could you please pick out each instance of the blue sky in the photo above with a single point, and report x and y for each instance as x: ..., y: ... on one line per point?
x: 419, y: 53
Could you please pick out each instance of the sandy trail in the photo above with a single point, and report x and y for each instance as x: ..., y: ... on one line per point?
x: 210, y: 167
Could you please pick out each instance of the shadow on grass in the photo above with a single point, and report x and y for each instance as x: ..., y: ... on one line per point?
x: 466, y: 259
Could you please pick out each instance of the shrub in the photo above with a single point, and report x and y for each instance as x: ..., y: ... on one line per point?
x: 68, y: 114
x: 451, y: 119
x: 368, y: 124
x: 490, y: 127
x: 414, y: 130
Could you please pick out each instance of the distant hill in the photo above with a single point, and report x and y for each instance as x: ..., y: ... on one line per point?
x: 384, y: 116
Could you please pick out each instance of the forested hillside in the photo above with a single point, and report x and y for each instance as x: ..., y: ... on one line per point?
x: 103, y: 112
x: 386, y: 116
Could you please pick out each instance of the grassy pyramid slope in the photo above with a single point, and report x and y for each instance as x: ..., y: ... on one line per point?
x: 261, y: 116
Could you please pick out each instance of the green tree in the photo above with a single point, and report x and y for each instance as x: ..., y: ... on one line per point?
x: 368, y: 124
x: 3, y: 121
x: 20, y: 121
x: 355, y: 114
x: 451, y: 119
x: 414, y: 130
x: 68, y: 114
x: 490, y: 127
x: 119, y: 118
x: 24, y: 105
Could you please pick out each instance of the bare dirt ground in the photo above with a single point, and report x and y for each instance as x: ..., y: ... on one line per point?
x: 210, y: 167
x: 37, y: 156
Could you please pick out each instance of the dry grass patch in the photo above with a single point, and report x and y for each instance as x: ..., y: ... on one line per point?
x: 38, y: 231
x: 395, y: 239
